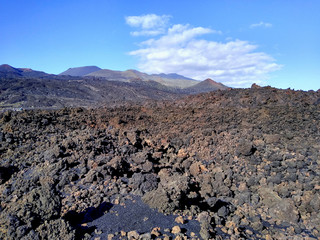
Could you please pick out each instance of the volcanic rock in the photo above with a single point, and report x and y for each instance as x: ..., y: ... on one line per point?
x: 243, y: 162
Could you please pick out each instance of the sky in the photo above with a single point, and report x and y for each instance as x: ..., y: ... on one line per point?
x: 236, y: 42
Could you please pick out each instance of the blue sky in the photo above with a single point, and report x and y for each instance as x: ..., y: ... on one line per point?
x: 236, y: 42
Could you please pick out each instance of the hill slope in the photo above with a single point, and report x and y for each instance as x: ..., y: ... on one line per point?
x: 7, y: 71
x: 206, y: 86
x: 171, y: 76
x: 52, y: 93
x: 80, y: 71
x: 170, y: 80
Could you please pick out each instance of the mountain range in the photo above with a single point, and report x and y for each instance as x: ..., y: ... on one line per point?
x: 92, y: 86
x: 170, y: 80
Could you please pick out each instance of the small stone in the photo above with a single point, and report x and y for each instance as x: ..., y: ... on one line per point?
x: 182, y: 153
x: 192, y: 234
x: 257, y: 226
x: 204, y: 233
x: 176, y: 230
x: 203, y: 217
x: 195, y: 168
x: 123, y: 233
x: 297, y: 229
x: 225, y: 230
x: 110, y: 236
x: 212, y: 201
x: 233, y: 237
x: 245, y: 148
x: 244, y: 221
x: 290, y: 230
x: 132, y: 235
x: 145, y: 236
x: 147, y: 167
x: 179, y: 220
x: 155, y: 231
x: 242, y: 186
x: 269, y: 138
x: 166, y: 237
x: 268, y: 237
x: 249, y: 232
x: 230, y: 232
x: 230, y: 224
x: 223, y: 212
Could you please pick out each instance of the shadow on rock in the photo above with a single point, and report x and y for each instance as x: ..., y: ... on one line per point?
x: 79, y: 220
x: 6, y: 173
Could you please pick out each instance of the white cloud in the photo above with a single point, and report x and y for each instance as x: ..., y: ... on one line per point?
x: 149, y: 25
x: 261, y: 24
x: 147, y: 32
x: 180, y: 50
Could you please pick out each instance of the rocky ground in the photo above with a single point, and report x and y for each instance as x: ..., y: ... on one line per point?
x: 234, y: 164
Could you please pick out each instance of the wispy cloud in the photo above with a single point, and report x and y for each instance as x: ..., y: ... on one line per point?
x: 149, y: 25
x: 261, y: 24
x: 182, y: 49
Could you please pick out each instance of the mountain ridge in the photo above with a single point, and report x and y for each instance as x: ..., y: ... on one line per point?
x: 26, y: 88
x: 8, y: 71
x: 170, y: 80
x: 80, y: 71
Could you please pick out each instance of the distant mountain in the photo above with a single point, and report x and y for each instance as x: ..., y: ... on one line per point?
x: 9, y: 71
x: 27, y: 72
x: 172, y: 76
x: 26, y: 88
x: 80, y: 71
x: 8, y: 68
x: 207, y: 85
x: 170, y: 80
x: 111, y: 75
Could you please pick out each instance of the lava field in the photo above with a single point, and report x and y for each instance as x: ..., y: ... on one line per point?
x: 231, y: 164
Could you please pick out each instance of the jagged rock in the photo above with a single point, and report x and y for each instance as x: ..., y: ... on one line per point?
x: 56, y: 229
x: 158, y: 199
x: 255, y: 86
x: 245, y: 148
x: 282, y: 209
